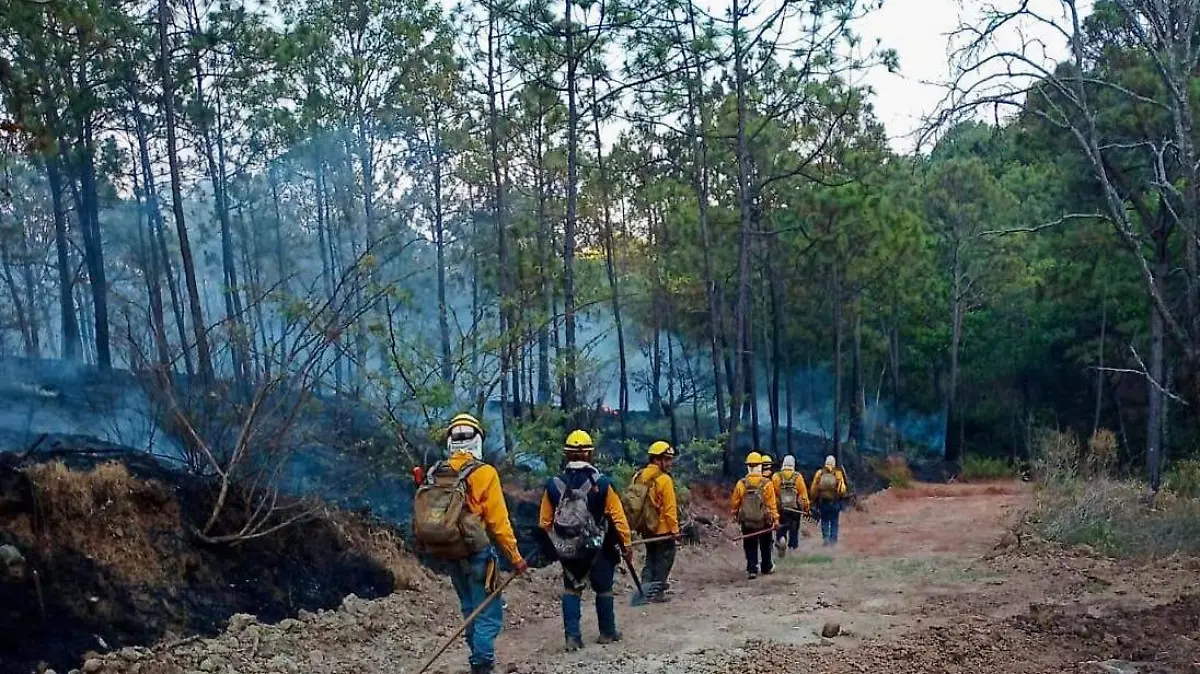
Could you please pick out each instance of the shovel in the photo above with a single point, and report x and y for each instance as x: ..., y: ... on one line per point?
x: 639, y: 597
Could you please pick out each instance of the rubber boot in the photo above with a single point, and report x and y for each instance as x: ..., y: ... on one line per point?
x: 606, y: 615
x: 572, y: 609
x: 482, y: 669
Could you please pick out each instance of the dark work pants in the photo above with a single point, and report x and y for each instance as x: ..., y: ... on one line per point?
x: 789, y: 530
x: 831, y: 512
x: 757, y: 548
x: 660, y: 558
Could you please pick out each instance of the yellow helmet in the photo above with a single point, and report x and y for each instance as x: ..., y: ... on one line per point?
x: 661, y: 448
x: 466, y: 420
x: 767, y: 460
x: 579, y: 441
x: 754, y: 459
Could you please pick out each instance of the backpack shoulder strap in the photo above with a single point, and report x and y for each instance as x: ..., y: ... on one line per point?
x: 466, y: 471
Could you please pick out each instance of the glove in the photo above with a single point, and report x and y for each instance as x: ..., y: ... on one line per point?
x: 520, y: 567
x: 678, y: 537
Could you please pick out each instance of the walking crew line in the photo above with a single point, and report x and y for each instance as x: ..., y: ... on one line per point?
x: 461, y: 525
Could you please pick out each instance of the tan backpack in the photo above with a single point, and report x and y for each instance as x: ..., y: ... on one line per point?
x: 639, y: 509
x: 442, y: 525
x: 827, y: 486
x: 754, y: 512
x: 789, y: 496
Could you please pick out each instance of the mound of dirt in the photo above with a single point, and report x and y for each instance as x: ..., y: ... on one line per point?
x: 98, y: 559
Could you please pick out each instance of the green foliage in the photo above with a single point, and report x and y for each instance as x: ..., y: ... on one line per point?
x: 1184, y: 478
x: 980, y: 468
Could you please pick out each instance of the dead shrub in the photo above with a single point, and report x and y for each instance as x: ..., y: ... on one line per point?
x: 1057, y: 455
x: 1101, y: 452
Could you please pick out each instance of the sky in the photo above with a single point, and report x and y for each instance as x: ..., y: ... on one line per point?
x: 919, y: 32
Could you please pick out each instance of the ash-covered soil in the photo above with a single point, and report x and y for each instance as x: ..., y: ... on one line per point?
x: 928, y: 580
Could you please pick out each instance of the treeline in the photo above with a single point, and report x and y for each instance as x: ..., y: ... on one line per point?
x: 426, y: 209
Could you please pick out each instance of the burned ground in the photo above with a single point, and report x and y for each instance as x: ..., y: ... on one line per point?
x: 109, y: 560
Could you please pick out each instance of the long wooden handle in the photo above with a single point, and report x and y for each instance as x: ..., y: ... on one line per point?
x: 466, y: 623
x: 656, y: 539
x: 753, y: 535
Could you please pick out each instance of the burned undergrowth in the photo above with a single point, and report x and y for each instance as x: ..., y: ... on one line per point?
x: 101, y: 553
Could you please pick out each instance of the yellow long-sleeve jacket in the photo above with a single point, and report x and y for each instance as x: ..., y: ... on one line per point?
x: 769, y: 495
x: 841, y: 483
x: 662, y: 499
x: 795, y: 477
x: 612, y: 508
x: 486, y: 499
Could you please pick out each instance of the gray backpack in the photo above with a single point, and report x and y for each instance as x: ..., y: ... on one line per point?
x: 575, y: 534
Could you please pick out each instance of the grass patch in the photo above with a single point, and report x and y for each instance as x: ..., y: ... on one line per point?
x: 813, y: 559
x: 976, y: 468
x: 1114, y: 518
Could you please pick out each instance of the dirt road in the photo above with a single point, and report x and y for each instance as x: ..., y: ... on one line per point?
x: 917, y: 585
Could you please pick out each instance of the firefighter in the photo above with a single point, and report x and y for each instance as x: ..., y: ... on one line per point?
x: 652, y: 505
x: 793, y: 504
x: 828, y: 491
x: 583, y: 517
x: 471, y: 560
x: 754, y: 506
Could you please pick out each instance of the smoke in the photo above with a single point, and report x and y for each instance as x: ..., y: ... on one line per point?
x: 60, y: 398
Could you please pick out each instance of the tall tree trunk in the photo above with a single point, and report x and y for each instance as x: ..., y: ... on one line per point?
x: 158, y: 241
x: 93, y: 244
x: 500, y: 220
x: 957, y: 300
x: 776, y: 346
x: 697, y: 119
x: 1100, y: 365
x: 150, y: 268
x: 544, y: 258
x: 1156, y: 408
x: 788, y: 385
x: 858, y: 381
x: 71, y: 346
x: 216, y: 176
x: 610, y: 267
x: 325, y: 246
x: 280, y: 257
x: 439, y: 239
x: 741, y: 312
x: 570, y: 395
x: 203, y: 356
x: 838, y: 331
